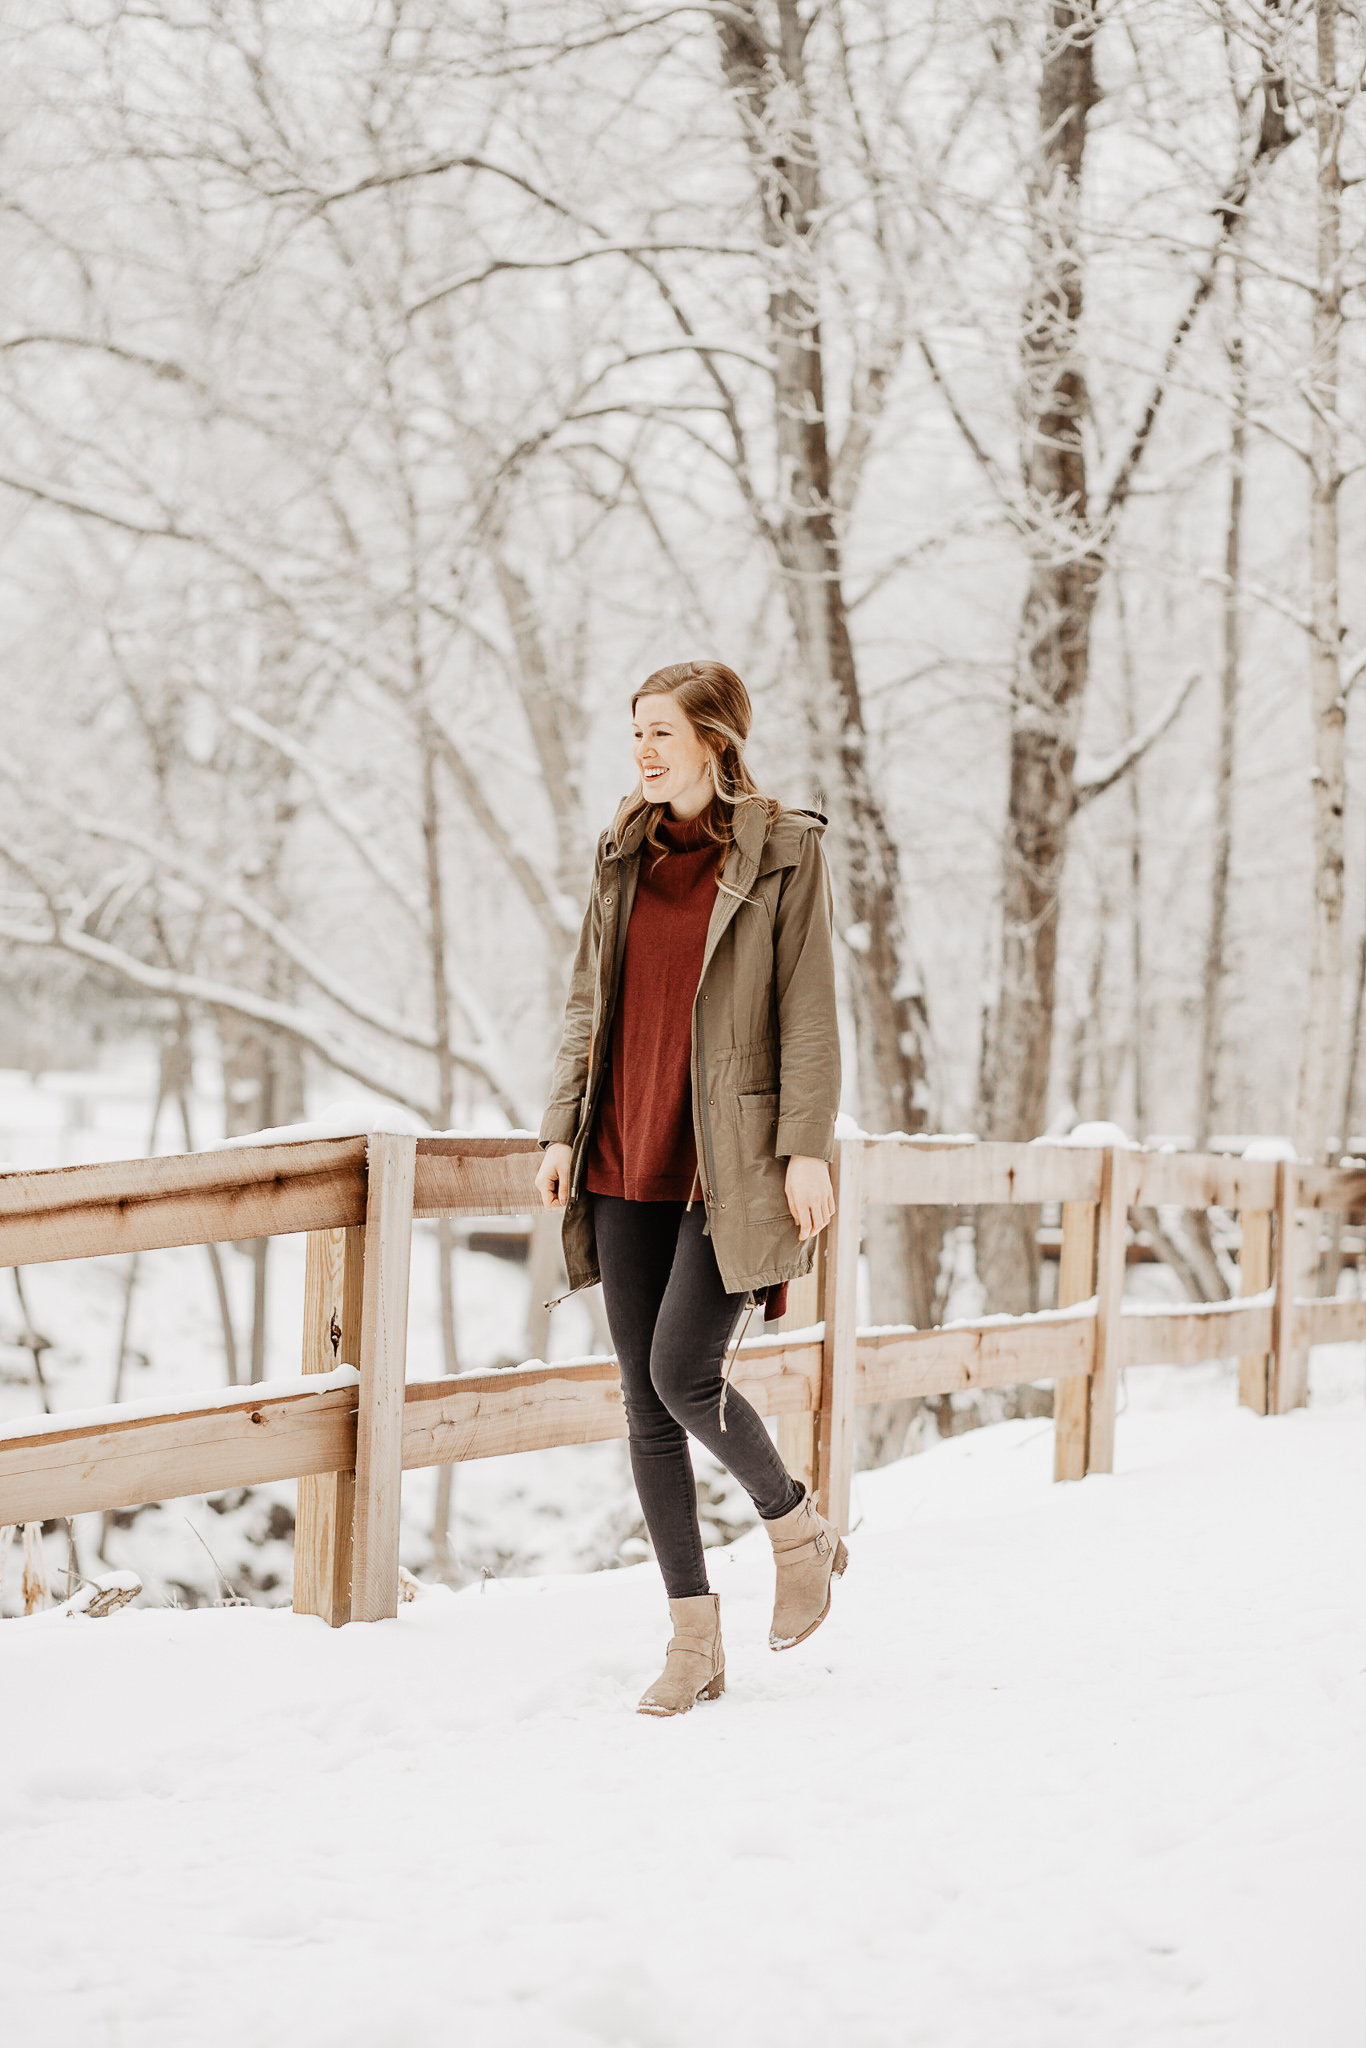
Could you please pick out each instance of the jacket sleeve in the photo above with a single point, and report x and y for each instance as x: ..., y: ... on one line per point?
x: 808, y: 1028
x: 569, y: 1080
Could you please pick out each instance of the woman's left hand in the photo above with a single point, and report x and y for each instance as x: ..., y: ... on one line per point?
x: 810, y: 1196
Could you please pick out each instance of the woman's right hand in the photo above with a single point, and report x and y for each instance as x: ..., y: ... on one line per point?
x: 553, y: 1178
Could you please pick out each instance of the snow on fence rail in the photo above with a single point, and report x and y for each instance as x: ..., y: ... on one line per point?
x: 352, y: 1424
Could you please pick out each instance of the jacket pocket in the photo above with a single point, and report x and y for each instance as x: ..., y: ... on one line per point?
x: 763, y: 1176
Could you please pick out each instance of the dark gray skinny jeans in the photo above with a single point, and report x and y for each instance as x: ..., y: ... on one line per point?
x: 671, y: 1321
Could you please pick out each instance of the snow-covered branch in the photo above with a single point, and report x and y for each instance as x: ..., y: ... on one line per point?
x: 1094, y: 778
x: 218, y: 888
x: 1259, y: 594
x: 306, y: 1030
x: 362, y: 843
x: 499, y: 264
x: 558, y: 918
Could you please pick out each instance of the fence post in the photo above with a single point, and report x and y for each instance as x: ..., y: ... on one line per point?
x: 383, y: 1354
x: 333, y: 1269
x: 1076, y: 1282
x: 1111, y: 1239
x: 1287, y: 1380
x: 805, y: 1305
x: 1254, y: 1276
x: 835, y: 1421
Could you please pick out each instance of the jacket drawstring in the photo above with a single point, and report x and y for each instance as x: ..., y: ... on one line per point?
x: 692, y: 1191
x: 734, y: 1354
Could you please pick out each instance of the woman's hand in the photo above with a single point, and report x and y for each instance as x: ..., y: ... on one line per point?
x: 553, y: 1178
x: 810, y: 1196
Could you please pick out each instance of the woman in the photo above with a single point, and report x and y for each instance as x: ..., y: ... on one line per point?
x: 689, y: 1130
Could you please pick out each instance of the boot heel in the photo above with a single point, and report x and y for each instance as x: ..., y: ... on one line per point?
x: 841, y: 1559
x: 716, y: 1688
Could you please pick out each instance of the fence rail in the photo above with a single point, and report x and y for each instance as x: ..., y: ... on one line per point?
x: 349, y: 1439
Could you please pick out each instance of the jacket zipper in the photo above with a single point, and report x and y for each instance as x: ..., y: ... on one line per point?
x: 590, y: 1098
x: 709, y: 1185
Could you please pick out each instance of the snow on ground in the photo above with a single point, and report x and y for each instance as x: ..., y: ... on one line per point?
x: 1068, y: 1767
x: 557, y: 1511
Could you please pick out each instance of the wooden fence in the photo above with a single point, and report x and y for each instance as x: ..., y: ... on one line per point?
x: 349, y: 1439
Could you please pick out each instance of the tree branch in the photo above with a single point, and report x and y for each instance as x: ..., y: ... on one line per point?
x: 173, y: 861
x: 360, y: 842
x: 501, y: 263
x: 1120, y: 487
x: 559, y: 920
x: 1259, y: 594
x: 1093, y: 780
x: 65, y: 937
x: 985, y: 461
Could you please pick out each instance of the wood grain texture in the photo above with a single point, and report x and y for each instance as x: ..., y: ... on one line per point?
x: 1287, y: 1381
x: 779, y: 1377
x: 839, y: 1357
x: 1185, y: 1337
x: 1329, y: 1322
x: 1111, y: 1241
x: 1331, y: 1187
x: 1076, y: 1282
x: 797, y: 1446
x: 382, y: 1361
x: 533, y: 1408
x: 1254, y: 1277
x: 480, y: 1415
x: 895, y: 1363
x: 334, y: 1266
x: 246, y: 1442
x: 908, y: 1172
x: 476, y: 1177
x: 128, y: 1205
x: 1200, y: 1180
x: 493, y: 1414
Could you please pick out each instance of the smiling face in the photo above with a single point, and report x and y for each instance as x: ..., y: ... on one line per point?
x: 674, y: 764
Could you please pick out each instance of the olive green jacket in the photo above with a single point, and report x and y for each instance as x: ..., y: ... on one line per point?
x: 765, y: 1042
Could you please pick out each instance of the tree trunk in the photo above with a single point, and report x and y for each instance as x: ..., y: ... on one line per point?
x: 1216, y: 944
x: 770, y: 89
x: 1331, y: 1270
x: 445, y: 1067
x: 556, y: 721
x: 1063, y: 588
x: 1138, y: 977
x: 1054, y: 652
x: 1352, y: 1062
x: 441, y: 1009
x: 1318, y: 1072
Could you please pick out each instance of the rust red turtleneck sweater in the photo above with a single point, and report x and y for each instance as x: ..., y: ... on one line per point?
x: 642, y: 1145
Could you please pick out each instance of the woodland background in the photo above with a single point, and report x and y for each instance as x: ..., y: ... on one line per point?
x: 386, y: 389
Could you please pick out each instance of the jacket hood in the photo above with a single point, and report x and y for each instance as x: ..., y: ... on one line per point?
x: 752, y: 829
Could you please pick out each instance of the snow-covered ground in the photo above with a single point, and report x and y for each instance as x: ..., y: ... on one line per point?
x: 557, y: 1511
x: 1068, y: 1767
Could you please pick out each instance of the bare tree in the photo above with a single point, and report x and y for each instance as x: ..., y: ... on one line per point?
x: 1069, y: 542
x: 1315, y: 1102
x: 768, y: 80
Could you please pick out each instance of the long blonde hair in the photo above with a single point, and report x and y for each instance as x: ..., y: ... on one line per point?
x: 716, y: 705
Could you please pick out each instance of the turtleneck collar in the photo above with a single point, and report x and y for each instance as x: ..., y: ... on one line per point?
x: 683, y: 834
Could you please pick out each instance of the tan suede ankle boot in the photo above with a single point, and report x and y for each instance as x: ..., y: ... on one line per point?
x: 695, y: 1667
x: 808, y: 1551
